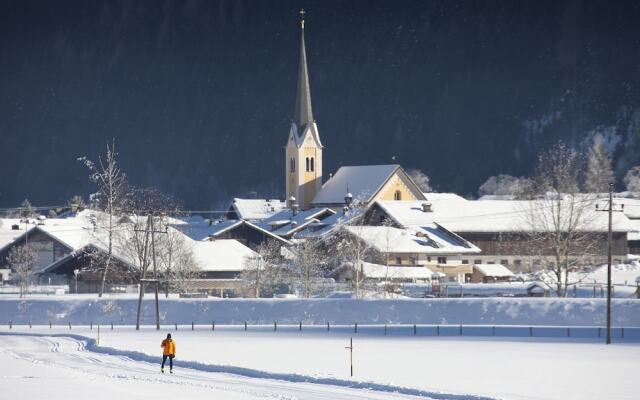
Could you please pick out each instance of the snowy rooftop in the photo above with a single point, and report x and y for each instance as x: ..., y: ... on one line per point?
x: 495, y: 270
x: 383, y: 271
x: 461, y: 215
x: 221, y: 255
x: 426, y: 240
x: 77, y: 231
x: 284, y: 222
x: 256, y: 209
x: 362, y: 181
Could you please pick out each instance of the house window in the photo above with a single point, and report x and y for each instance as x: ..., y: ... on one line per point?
x: 442, y: 260
x: 292, y: 165
x: 412, y: 260
x: 397, y: 195
x: 491, y: 262
x: 477, y: 262
x: 504, y: 262
x: 307, y: 160
x: 312, y: 166
x: 465, y: 261
x: 517, y: 263
x: 398, y: 260
x: 428, y: 258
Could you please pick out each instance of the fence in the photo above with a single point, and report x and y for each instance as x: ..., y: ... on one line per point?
x: 392, y: 330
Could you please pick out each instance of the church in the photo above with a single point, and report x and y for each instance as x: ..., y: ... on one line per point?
x: 304, y: 184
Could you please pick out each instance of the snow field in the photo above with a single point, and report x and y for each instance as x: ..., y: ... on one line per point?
x: 551, y: 368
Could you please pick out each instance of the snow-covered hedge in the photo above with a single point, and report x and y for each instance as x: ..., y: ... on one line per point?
x: 511, y: 311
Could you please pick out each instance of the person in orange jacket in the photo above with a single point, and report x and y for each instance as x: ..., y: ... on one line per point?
x: 168, y: 350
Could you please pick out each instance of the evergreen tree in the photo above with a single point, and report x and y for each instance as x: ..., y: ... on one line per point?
x: 599, y: 173
x: 632, y: 179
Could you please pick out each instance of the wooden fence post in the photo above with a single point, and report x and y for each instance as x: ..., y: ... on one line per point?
x: 300, y: 325
x: 191, y: 325
x: 213, y: 325
x: 69, y: 325
x: 176, y: 325
x: 112, y: 326
x: 385, y: 329
x: 437, y: 330
x: 328, y: 328
x: 355, y: 329
x: 275, y: 326
x: 415, y: 330
x: 245, y: 325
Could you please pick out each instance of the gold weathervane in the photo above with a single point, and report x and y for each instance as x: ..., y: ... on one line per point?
x: 302, y: 18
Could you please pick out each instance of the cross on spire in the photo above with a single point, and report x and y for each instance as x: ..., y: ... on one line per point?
x: 302, y: 17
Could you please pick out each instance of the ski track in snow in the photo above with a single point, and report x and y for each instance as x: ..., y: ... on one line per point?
x: 82, y: 355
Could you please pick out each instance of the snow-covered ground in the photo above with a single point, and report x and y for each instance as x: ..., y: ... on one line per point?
x: 83, y: 309
x: 230, y: 363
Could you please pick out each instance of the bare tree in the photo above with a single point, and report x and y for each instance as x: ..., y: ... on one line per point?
x: 505, y: 185
x: 22, y: 259
x: 632, y: 179
x: 560, y: 225
x: 263, y: 272
x: 149, y: 208
x: 76, y: 203
x: 178, y: 265
x: 309, y: 265
x: 599, y: 173
x: 110, y: 179
x: 420, y: 179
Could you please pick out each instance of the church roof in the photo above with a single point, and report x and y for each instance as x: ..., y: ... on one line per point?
x: 362, y: 181
x: 303, y: 113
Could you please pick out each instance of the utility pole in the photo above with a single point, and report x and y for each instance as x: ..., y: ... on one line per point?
x: 149, y: 230
x: 350, y: 348
x: 610, y: 210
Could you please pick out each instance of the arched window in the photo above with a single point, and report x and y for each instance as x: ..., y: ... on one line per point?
x: 311, y: 164
x: 397, y: 195
x: 292, y: 164
x: 307, y: 159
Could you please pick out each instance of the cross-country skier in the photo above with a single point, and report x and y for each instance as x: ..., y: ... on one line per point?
x: 168, y: 350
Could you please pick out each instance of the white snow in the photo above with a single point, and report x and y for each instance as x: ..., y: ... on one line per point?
x: 313, y: 364
x: 121, y: 309
x: 363, y: 181
x: 424, y: 240
x: 493, y: 270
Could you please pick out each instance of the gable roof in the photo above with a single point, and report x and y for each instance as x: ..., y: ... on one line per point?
x: 426, y: 240
x: 285, y: 223
x: 256, y: 209
x: 461, y: 215
x: 494, y: 270
x: 362, y: 181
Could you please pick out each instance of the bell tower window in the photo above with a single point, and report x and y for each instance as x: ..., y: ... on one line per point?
x: 311, y: 164
x: 292, y: 164
x: 307, y: 160
x: 397, y: 195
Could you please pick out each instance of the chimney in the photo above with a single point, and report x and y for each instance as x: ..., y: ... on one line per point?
x: 426, y: 207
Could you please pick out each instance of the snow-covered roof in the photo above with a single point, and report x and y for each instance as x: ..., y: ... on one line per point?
x: 284, y: 222
x: 461, y: 215
x: 223, y: 226
x: 256, y: 209
x: 425, y: 240
x: 362, y: 181
x: 493, y: 270
x: 377, y: 271
x: 319, y: 229
x: 221, y: 255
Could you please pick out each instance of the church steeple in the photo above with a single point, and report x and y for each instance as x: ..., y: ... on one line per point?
x: 303, y: 113
x: 303, y: 152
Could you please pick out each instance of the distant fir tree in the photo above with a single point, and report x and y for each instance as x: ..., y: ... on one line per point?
x: 599, y: 173
x: 421, y: 179
x: 632, y: 179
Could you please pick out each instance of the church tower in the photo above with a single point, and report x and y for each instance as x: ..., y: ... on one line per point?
x: 303, y: 152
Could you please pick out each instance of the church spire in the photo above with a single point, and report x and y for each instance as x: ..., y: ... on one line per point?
x: 303, y: 113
